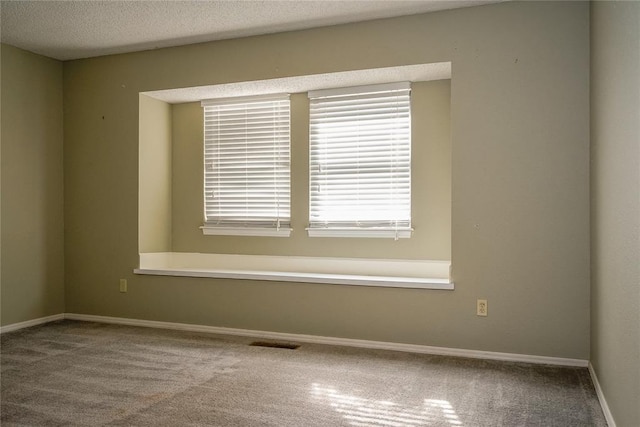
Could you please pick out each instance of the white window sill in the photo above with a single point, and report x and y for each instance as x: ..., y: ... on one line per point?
x: 335, y: 271
x: 245, y: 231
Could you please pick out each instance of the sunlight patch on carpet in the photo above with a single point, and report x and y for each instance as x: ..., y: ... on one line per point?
x: 362, y: 412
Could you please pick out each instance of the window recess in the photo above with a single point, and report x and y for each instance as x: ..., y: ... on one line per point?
x: 247, y: 166
x: 360, y: 162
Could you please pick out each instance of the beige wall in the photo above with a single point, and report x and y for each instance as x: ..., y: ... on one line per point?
x: 431, y: 190
x: 32, y: 277
x: 615, y: 205
x: 520, y: 202
x: 154, y: 176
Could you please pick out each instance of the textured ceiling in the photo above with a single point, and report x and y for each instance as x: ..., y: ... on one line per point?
x: 79, y: 29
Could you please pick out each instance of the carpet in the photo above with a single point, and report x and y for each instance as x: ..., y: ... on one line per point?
x: 72, y: 373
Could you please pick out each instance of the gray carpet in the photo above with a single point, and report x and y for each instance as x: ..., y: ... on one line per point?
x: 89, y: 374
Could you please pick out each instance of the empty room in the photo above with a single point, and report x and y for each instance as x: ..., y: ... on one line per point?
x: 320, y: 213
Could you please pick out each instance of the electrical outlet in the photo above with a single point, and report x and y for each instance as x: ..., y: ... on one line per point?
x: 123, y: 285
x: 482, y: 308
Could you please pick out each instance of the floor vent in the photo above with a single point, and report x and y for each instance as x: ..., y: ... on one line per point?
x: 285, y: 345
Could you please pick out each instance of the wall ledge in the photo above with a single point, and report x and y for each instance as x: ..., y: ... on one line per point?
x: 336, y: 271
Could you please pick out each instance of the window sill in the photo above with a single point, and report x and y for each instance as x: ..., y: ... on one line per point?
x: 245, y: 231
x: 335, y: 271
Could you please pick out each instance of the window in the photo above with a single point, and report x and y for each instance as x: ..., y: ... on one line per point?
x: 247, y: 163
x: 360, y: 162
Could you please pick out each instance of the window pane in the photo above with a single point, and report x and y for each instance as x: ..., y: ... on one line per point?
x: 247, y: 162
x: 360, y: 160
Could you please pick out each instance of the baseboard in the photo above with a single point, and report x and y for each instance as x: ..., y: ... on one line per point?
x: 603, y: 402
x: 32, y: 322
x: 314, y: 339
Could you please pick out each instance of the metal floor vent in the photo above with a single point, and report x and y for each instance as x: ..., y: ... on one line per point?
x: 284, y: 345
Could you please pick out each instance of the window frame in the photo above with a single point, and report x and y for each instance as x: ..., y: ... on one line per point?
x: 277, y: 224
x: 353, y: 227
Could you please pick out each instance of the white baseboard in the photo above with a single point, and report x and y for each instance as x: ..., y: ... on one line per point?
x: 32, y: 322
x: 314, y: 339
x: 603, y: 402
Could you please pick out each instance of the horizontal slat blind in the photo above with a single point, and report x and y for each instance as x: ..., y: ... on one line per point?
x: 247, y: 161
x: 360, y: 159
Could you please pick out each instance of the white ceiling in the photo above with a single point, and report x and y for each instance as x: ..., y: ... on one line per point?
x: 80, y: 29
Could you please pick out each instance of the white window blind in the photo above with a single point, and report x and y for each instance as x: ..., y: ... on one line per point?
x: 247, y: 162
x: 360, y: 162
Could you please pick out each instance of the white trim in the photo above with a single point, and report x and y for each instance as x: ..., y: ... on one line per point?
x: 33, y: 322
x: 330, y: 279
x: 314, y: 339
x: 209, y: 230
x: 420, y: 274
x: 603, y: 402
x: 360, y: 232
